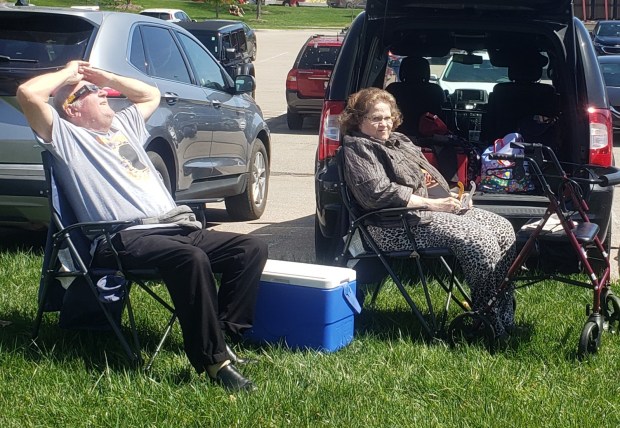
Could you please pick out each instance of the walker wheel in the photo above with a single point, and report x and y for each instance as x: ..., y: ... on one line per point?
x: 610, y: 305
x: 590, y: 340
x: 471, y: 328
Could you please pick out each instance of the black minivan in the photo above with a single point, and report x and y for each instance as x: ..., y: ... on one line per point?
x: 523, y: 34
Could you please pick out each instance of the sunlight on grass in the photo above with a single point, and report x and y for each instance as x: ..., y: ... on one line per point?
x: 388, y: 376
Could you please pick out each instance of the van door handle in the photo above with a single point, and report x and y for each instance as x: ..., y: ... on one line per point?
x: 171, y: 98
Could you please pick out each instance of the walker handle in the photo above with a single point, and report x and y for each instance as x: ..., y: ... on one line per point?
x: 504, y: 156
x: 610, y: 179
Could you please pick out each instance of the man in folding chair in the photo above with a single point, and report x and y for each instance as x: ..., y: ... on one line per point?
x: 107, y: 175
x: 384, y: 169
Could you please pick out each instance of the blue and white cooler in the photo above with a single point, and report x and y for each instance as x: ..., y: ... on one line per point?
x: 305, y: 306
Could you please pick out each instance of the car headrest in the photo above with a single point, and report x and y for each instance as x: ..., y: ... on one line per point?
x: 414, y: 70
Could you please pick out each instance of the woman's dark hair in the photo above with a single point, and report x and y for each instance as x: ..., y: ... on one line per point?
x: 360, y: 103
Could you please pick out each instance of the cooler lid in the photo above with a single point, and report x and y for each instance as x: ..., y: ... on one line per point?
x: 306, y: 274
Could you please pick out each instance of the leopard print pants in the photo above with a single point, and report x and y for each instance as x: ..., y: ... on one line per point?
x: 483, y: 243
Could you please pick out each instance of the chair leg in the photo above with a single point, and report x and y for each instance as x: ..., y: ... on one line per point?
x: 41, y: 308
x: 134, y: 330
x: 169, y: 325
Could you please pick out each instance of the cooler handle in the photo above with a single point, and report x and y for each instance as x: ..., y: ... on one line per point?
x: 349, y: 295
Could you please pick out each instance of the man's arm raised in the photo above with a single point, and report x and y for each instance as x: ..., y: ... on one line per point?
x: 33, y: 96
x: 143, y: 95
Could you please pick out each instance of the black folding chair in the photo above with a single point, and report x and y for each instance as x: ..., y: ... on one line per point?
x: 67, y: 259
x: 359, y: 244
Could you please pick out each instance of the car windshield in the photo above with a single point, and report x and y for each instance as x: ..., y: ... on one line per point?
x: 610, y: 30
x: 611, y: 73
x: 485, y: 72
x: 322, y: 57
x: 209, y: 40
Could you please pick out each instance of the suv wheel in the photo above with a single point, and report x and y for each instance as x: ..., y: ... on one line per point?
x: 250, y: 205
x: 294, y: 120
x: 161, y: 168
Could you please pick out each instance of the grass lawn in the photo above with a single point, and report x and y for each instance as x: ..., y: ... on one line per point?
x: 387, y: 377
x: 272, y: 16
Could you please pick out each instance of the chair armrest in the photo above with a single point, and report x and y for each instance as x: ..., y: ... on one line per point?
x: 96, y: 228
x: 389, y: 214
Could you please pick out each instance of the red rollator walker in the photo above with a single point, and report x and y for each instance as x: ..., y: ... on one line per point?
x: 568, y: 209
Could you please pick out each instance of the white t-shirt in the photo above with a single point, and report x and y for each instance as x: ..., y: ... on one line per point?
x: 108, y: 176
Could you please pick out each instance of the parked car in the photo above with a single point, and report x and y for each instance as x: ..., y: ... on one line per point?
x: 208, y: 139
x: 307, y: 79
x: 514, y: 34
x: 481, y: 75
x: 172, y: 15
x: 228, y: 41
x: 349, y: 4
x: 610, y: 67
x: 606, y: 37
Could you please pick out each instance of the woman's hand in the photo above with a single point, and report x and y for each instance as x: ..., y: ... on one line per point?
x: 448, y: 205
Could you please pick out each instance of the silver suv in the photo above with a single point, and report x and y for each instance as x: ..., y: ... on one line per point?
x: 208, y: 138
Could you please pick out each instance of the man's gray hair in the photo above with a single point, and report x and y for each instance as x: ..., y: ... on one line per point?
x: 60, y: 96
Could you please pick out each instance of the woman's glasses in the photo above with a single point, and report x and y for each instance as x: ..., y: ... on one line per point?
x: 84, y: 90
x: 376, y: 120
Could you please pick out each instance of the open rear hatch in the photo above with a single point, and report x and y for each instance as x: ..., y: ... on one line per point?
x: 556, y: 10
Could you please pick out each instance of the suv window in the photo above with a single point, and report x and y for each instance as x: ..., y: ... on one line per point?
x: 226, y: 42
x: 42, y: 49
x: 163, y: 57
x: 207, y: 72
x: 239, y: 41
x: 319, y: 57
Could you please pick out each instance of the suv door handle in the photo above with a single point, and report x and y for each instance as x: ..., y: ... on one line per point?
x: 216, y: 104
x: 171, y: 98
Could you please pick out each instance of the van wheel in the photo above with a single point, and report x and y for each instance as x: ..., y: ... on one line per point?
x: 294, y: 120
x: 324, y: 248
x: 161, y: 168
x: 251, y: 204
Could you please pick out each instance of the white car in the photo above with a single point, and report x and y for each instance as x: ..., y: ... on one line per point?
x: 171, y: 15
x: 471, y: 72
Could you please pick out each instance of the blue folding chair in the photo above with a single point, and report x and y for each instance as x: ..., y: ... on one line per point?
x: 89, y: 297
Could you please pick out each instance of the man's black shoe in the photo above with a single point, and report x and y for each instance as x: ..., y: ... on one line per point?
x: 236, y: 359
x: 230, y: 378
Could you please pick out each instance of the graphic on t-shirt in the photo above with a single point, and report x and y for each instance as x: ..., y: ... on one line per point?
x: 127, y: 155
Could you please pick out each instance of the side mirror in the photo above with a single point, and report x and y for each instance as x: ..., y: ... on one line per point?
x: 433, y: 78
x: 244, y: 83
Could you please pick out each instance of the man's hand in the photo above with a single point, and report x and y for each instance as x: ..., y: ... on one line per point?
x: 76, y: 71
x: 97, y: 76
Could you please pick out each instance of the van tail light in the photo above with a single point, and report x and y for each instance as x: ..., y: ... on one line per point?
x: 329, y: 134
x: 291, y: 80
x: 601, y: 136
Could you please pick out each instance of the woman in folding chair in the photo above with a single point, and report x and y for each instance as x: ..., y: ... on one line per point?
x: 384, y: 169
x: 107, y: 175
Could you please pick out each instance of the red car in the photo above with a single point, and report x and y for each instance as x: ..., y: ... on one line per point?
x: 307, y: 80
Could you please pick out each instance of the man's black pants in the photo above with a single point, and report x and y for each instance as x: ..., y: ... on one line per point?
x: 187, y: 260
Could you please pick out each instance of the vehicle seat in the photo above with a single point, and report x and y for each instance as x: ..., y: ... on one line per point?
x: 414, y: 94
x: 513, y: 105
